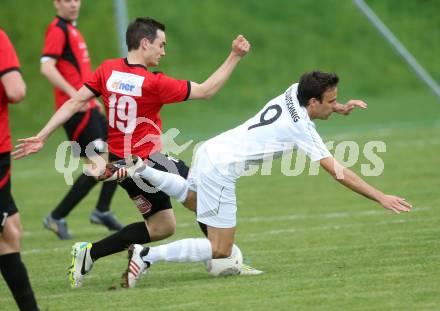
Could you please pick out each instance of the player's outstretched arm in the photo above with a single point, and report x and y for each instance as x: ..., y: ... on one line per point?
x: 352, y: 181
x: 207, y: 89
x: 34, y: 144
x: 349, y: 106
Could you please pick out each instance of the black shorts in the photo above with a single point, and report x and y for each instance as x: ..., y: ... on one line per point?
x: 7, y: 204
x: 150, y: 202
x: 87, y: 127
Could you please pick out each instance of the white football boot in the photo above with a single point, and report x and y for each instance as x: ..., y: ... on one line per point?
x: 248, y: 270
x: 82, y: 263
x: 136, y: 265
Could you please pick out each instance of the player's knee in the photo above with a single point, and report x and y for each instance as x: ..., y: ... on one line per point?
x: 163, y: 231
x: 169, y: 231
x: 17, y: 232
x: 12, y: 237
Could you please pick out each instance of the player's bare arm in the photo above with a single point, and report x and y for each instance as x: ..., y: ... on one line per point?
x: 49, y: 70
x: 14, y: 85
x: 352, y: 181
x: 207, y: 89
x: 349, y: 106
x: 34, y: 144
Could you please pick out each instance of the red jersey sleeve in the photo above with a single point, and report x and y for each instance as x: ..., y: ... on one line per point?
x: 8, y: 57
x: 54, y: 42
x: 95, y: 84
x: 171, y: 90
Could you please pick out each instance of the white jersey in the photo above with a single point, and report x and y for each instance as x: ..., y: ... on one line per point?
x: 282, y: 125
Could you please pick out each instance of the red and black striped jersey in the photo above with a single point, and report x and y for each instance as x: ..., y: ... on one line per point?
x: 133, y: 97
x: 65, y: 43
x: 8, y: 62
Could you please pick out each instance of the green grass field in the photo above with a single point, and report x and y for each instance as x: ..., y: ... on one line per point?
x: 321, y: 246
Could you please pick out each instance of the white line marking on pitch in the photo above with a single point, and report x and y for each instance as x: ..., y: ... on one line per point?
x: 274, y: 232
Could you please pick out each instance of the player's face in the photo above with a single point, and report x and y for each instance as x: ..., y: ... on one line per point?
x: 68, y: 9
x: 328, y: 101
x: 156, y: 49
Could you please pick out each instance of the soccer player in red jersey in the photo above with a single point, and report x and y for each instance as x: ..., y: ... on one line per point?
x: 12, y: 90
x: 133, y: 97
x: 66, y: 64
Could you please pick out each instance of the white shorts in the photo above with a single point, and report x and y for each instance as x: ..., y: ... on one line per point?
x: 216, y: 200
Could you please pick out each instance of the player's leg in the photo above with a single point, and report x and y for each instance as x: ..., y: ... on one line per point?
x: 76, y: 129
x: 157, y: 212
x: 55, y: 221
x: 172, y: 184
x: 11, y: 266
x: 11, y: 234
x: 161, y: 223
x: 221, y: 240
x: 87, y: 130
x: 155, y: 228
x: 102, y: 214
x: 84, y: 254
x: 216, y: 207
x: 218, y: 245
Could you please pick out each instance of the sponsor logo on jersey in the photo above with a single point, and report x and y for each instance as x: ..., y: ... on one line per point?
x: 291, y: 105
x: 125, y: 83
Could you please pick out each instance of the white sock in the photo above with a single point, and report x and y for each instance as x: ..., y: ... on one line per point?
x: 172, y: 184
x: 187, y: 250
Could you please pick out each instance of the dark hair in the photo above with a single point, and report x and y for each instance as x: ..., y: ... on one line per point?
x: 314, y: 84
x: 142, y: 27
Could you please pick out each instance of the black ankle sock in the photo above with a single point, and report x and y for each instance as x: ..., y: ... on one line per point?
x: 15, y: 274
x: 106, y: 195
x: 79, y: 190
x: 135, y: 233
x: 203, y: 228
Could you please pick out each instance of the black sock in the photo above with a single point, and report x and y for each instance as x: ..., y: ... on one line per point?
x: 15, y: 274
x: 79, y: 190
x: 204, y: 228
x: 135, y: 233
x: 105, y: 197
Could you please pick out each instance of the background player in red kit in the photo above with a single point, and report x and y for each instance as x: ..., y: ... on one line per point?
x: 12, y: 90
x: 66, y: 64
x: 133, y: 97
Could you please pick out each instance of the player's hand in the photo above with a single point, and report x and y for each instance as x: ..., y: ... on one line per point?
x: 395, y: 204
x: 27, y: 146
x: 349, y: 106
x: 240, y: 46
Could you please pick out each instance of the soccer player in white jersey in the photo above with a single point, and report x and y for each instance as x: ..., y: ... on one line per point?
x: 284, y: 123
